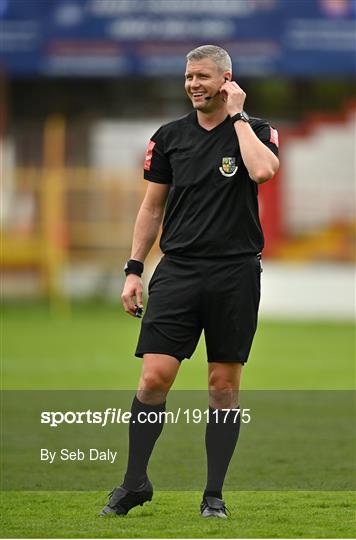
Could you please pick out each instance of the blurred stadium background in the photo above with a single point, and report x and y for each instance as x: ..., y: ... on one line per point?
x: 85, y: 83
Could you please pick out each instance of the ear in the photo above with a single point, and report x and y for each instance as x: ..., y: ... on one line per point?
x: 227, y: 75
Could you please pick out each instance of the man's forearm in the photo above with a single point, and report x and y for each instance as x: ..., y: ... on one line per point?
x: 145, y: 232
x: 259, y: 160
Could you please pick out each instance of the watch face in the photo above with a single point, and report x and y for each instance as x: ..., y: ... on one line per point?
x: 245, y: 116
x: 126, y: 266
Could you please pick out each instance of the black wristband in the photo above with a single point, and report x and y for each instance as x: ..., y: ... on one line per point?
x: 133, y: 267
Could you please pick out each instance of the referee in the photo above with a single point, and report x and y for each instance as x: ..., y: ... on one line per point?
x: 203, y: 172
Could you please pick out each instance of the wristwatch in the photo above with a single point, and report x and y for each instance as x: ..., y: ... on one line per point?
x: 240, y: 116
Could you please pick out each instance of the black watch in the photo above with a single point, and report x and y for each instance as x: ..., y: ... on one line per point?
x: 240, y: 116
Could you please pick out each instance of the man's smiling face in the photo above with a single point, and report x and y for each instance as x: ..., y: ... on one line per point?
x: 203, y: 79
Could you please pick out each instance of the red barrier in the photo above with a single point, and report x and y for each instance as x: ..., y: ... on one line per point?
x: 270, y: 205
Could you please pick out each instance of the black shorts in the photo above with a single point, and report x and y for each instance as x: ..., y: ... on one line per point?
x: 186, y: 296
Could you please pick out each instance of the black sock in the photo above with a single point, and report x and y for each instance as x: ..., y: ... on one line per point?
x: 217, y: 494
x: 142, y: 438
x: 221, y: 436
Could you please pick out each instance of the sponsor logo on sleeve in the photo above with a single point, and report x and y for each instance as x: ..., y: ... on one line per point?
x: 273, y: 137
x: 148, y: 157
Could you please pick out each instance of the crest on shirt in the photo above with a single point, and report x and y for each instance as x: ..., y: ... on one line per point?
x: 228, y: 166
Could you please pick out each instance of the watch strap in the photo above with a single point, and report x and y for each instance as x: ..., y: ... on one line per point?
x: 240, y: 116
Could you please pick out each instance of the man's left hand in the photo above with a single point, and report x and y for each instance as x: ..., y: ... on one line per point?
x: 234, y: 97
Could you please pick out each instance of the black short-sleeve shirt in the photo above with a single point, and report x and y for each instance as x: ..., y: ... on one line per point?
x: 212, y: 206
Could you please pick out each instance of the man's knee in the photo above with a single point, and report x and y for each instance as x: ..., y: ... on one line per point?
x: 223, y: 396
x: 224, y: 386
x: 154, y: 380
x: 153, y: 388
x: 157, y: 377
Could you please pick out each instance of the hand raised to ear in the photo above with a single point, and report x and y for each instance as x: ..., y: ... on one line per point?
x: 235, y: 97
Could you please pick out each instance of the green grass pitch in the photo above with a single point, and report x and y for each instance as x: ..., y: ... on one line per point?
x: 92, y: 348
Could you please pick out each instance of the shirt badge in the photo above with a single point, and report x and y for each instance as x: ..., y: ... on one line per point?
x: 228, y: 166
